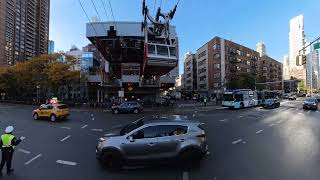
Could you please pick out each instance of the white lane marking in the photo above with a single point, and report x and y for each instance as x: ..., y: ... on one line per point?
x: 66, y: 162
x: 279, y: 122
x: 237, y: 141
x: 271, y: 125
x: 309, y: 111
x: 67, y: 137
x: 185, y: 176
x: 317, y: 111
x: 36, y: 157
x: 300, y: 113
x: 65, y: 127
x: 91, y: 115
x: 258, y: 132
x: 100, y: 130
x: 138, y: 119
x: 222, y: 120
x: 24, y: 151
x: 84, y: 126
x: 240, y: 116
x: 92, y: 119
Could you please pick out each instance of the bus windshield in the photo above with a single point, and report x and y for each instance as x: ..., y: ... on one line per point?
x: 239, y: 97
x: 228, y: 97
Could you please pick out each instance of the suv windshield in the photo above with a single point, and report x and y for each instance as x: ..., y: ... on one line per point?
x: 310, y: 100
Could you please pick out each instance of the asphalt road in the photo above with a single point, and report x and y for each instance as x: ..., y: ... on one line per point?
x: 251, y: 143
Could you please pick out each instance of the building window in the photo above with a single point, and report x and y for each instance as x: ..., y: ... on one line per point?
x: 216, y: 75
x: 216, y: 66
x: 202, y: 62
x: 203, y: 78
x: 238, y: 68
x: 200, y: 55
x: 202, y: 70
x: 216, y: 56
x: 216, y: 85
x: 216, y: 46
x: 203, y: 86
x: 248, y: 70
x: 265, y: 68
x: 248, y: 63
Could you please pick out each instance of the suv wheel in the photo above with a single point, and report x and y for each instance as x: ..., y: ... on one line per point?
x: 115, y: 111
x: 136, y: 111
x: 112, y: 159
x: 53, y: 118
x: 35, y: 116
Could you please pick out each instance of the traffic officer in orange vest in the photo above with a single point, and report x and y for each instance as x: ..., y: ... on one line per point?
x: 8, y: 142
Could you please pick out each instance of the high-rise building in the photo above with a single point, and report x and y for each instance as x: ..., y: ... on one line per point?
x: 286, y: 68
x: 51, y: 47
x: 296, y: 40
x: 261, y: 49
x: 24, y: 29
x: 190, y: 71
x: 312, y: 67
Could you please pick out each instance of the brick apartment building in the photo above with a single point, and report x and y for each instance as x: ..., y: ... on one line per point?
x: 221, y: 61
x: 270, y: 73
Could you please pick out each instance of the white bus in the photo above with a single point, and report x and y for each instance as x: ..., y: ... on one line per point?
x: 240, y: 98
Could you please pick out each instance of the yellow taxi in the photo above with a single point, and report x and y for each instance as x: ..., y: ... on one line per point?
x: 51, y: 111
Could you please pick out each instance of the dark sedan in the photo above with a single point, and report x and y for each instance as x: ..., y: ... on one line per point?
x: 271, y: 103
x: 310, y: 103
x: 127, y: 107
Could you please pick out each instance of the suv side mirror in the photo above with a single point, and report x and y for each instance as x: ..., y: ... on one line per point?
x: 131, y: 138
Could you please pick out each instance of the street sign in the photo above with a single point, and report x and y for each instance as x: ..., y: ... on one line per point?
x: 121, y: 94
x: 316, y: 45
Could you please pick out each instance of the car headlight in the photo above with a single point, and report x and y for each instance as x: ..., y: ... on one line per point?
x: 101, y: 139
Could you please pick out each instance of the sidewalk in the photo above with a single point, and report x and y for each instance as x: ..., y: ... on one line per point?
x: 176, y: 109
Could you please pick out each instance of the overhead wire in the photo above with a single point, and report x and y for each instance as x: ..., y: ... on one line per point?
x: 105, y: 10
x: 95, y: 8
x: 87, y: 17
x: 112, y: 15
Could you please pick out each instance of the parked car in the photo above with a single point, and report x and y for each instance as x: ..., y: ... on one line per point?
x: 310, y: 103
x: 292, y: 97
x: 318, y: 98
x: 127, y: 107
x: 153, y: 139
x: 271, y: 103
x: 286, y: 96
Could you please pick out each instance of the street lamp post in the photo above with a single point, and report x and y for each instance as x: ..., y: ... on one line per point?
x: 38, y: 93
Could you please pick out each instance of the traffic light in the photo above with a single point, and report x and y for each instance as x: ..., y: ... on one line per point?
x: 304, y: 59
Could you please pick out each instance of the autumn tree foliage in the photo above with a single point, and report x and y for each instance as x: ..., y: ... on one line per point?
x: 45, y: 73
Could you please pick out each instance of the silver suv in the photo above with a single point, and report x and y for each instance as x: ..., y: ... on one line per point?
x: 151, y: 139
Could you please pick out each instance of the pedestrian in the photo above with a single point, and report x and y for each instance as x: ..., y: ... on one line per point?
x: 205, y: 101
x: 8, y: 142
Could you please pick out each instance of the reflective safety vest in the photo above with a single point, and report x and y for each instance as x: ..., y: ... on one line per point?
x: 6, y: 140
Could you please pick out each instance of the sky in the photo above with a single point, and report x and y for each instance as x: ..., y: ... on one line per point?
x: 197, y: 21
